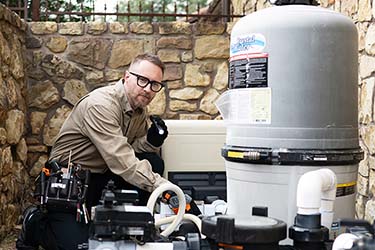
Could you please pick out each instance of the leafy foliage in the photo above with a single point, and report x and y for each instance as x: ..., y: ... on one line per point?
x: 146, y: 7
x: 66, y: 6
x: 56, y: 5
x: 160, y: 7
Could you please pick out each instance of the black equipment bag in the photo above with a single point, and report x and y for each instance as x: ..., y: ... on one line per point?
x: 61, y: 188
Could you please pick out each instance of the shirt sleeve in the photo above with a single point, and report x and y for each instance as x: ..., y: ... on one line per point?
x: 102, y: 127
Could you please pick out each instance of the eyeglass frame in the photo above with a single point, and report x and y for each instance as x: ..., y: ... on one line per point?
x: 148, y: 82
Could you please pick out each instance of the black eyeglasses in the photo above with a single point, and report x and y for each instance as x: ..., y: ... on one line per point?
x: 144, y: 81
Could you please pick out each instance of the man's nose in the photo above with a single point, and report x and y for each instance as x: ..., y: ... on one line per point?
x: 148, y: 88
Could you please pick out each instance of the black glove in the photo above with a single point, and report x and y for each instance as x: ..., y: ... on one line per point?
x: 157, y: 132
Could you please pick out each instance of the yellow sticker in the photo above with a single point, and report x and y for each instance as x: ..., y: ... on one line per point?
x: 349, y: 184
x: 345, y: 189
x: 233, y: 154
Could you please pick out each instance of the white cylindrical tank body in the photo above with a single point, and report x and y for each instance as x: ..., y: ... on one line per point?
x: 292, y: 107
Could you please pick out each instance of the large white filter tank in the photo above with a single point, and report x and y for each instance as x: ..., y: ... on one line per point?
x: 291, y: 107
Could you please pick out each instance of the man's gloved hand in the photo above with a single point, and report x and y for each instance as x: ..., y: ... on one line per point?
x: 157, y: 132
x: 171, y: 199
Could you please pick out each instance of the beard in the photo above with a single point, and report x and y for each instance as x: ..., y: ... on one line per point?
x: 143, y: 100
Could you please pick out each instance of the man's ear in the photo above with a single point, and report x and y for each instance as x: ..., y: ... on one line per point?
x: 126, y: 75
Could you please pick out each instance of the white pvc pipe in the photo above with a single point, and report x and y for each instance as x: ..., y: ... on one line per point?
x: 190, y: 217
x: 316, y: 193
x: 181, y: 208
x: 221, y: 206
x: 344, y: 241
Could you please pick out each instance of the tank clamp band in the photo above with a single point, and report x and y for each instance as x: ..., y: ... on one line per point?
x: 282, y: 156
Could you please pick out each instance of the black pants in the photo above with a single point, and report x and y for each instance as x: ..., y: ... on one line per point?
x: 99, y: 181
x: 69, y: 233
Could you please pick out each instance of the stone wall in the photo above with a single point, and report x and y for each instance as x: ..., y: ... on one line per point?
x: 14, y: 179
x: 361, y: 12
x: 67, y: 60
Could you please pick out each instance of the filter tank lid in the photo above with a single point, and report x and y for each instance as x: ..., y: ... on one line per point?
x: 244, y: 229
x: 289, y: 2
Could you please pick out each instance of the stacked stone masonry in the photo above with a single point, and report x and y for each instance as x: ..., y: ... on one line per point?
x: 45, y: 67
x: 14, y: 177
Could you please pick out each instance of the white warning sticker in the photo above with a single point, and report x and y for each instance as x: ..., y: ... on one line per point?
x: 247, y: 106
x: 260, y: 106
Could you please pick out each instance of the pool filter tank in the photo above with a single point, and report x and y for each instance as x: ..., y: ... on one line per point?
x: 291, y: 108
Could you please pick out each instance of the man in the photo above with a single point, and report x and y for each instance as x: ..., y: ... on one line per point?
x: 107, y: 132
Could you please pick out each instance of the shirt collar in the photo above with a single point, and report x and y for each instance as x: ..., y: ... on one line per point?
x: 125, y: 105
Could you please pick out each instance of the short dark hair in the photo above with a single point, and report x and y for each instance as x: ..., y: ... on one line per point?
x: 150, y: 58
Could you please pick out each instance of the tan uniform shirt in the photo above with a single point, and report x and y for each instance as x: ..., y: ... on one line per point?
x: 103, y: 132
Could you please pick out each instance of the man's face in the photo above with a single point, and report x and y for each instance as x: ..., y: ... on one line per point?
x: 139, y: 97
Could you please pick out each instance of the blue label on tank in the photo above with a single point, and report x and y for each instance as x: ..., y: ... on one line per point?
x: 253, y: 43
